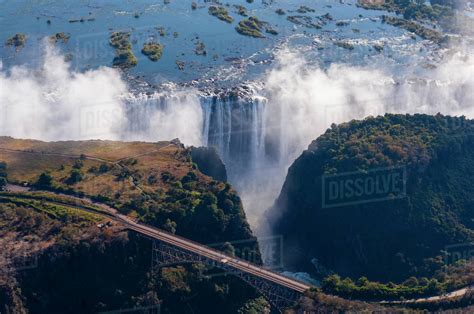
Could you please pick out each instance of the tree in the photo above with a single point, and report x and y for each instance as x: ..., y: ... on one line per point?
x: 44, y: 181
x: 3, y: 169
x: 363, y: 281
x: 228, y: 249
x: 331, y: 283
x: 103, y: 168
x: 3, y: 183
x: 78, y: 164
x: 170, y: 226
x: 74, y: 177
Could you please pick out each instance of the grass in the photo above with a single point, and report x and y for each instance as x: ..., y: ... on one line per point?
x: 153, y: 51
x: 124, y: 57
x: 54, y: 211
x: 253, y: 27
x: 43, y: 196
x: 221, y: 13
x: 250, y: 27
x: 152, y: 159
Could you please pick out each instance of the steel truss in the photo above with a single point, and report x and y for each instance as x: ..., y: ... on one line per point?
x: 280, y: 297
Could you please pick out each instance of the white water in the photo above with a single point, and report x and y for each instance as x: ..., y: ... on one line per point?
x: 258, y: 137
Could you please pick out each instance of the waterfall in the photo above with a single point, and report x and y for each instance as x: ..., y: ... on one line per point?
x: 237, y: 129
x: 234, y: 125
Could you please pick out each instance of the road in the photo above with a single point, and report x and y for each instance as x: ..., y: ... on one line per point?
x: 174, y: 240
x: 215, y: 255
x: 205, y: 251
x: 450, y: 295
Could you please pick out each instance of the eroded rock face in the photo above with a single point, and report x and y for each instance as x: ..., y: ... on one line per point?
x: 393, y: 236
x: 209, y: 162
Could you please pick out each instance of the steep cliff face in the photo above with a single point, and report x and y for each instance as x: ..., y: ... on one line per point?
x: 60, y: 260
x: 386, y: 197
x: 209, y: 162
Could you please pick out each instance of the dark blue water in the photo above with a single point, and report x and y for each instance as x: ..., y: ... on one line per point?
x: 231, y: 58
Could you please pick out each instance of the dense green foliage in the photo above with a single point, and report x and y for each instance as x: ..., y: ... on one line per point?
x: 44, y: 181
x: 203, y: 213
x: 254, y: 27
x: 411, y: 9
x: 124, y: 57
x: 84, y: 270
x: 153, y: 51
x: 393, y: 238
x: 92, y: 266
x: 446, y: 279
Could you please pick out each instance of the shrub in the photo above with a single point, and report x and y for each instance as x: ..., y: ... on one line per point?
x: 44, y: 181
x: 74, y: 177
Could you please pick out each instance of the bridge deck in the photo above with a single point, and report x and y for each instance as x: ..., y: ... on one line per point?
x: 183, y: 243
x: 215, y: 255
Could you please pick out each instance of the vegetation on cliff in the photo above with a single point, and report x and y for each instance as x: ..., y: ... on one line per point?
x: 91, y: 268
x: 415, y: 233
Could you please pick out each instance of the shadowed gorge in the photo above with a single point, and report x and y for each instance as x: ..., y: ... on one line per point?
x: 389, y: 238
x: 154, y: 156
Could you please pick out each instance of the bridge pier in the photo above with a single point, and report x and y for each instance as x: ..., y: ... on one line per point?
x: 278, y: 296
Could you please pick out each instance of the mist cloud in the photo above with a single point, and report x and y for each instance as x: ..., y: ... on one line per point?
x: 55, y: 102
x: 51, y: 103
x: 304, y: 100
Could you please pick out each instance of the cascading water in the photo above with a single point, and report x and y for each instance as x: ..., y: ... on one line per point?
x: 234, y: 125
x: 257, y: 137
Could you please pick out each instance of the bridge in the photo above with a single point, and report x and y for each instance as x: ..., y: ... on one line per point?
x: 280, y: 291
